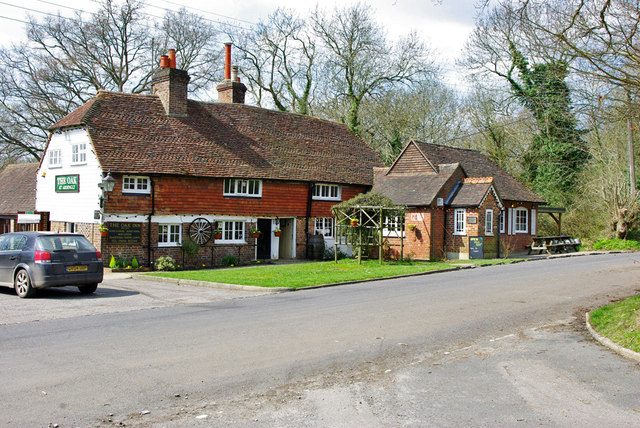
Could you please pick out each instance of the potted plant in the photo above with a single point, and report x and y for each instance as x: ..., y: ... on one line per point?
x: 104, y: 230
x: 256, y: 233
x: 217, y: 234
x: 354, y: 222
x: 277, y: 232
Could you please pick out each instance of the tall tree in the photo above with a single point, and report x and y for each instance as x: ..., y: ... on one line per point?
x: 279, y: 61
x: 66, y: 60
x: 362, y: 62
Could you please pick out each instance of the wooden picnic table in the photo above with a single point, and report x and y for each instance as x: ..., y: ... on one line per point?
x: 554, y: 244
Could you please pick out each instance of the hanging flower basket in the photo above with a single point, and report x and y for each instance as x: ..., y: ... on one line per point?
x: 104, y: 231
x: 256, y: 233
x: 354, y: 222
x: 411, y: 227
x: 277, y: 232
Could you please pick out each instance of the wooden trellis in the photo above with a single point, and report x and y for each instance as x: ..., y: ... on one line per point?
x: 364, y: 226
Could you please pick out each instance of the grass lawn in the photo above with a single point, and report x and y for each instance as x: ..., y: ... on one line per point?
x: 298, y: 275
x: 620, y: 322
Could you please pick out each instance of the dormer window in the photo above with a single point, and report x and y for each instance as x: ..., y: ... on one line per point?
x: 327, y: 192
x: 238, y: 187
x: 136, y: 184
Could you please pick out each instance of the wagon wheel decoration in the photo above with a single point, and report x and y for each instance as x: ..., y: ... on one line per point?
x: 200, y: 231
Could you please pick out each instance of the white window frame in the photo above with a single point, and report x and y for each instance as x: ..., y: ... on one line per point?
x: 55, y: 158
x: 324, y: 226
x: 241, y: 187
x: 327, y: 192
x: 169, y: 235
x: 137, y: 181
x: 460, y: 221
x: 488, y: 222
x: 392, y: 227
x: 522, y: 213
x: 502, y: 221
x: 79, y: 153
x: 233, y: 232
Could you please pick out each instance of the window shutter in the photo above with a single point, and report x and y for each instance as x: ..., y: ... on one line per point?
x: 533, y: 221
x: 510, y: 225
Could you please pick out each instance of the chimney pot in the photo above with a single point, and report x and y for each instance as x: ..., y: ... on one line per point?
x: 234, y: 73
x: 227, y: 61
x: 172, y: 58
x: 164, y: 61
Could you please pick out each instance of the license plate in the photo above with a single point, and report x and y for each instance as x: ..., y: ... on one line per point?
x: 79, y: 268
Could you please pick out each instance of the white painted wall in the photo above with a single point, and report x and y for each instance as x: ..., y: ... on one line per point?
x: 70, y: 207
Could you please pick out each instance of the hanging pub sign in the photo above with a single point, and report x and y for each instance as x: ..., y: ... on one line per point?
x: 68, y: 183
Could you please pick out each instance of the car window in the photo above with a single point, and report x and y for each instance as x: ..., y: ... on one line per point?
x: 64, y: 242
x: 12, y: 242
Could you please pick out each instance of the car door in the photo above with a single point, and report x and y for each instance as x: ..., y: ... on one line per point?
x: 10, y: 249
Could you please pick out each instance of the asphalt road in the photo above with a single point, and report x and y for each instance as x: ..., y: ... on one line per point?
x: 491, y: 346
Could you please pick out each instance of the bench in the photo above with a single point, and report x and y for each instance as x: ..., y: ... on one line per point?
x: 554, y: 244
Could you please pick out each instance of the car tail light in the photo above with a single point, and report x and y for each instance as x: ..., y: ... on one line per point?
x: 43, y: 257
x: 99, y: 255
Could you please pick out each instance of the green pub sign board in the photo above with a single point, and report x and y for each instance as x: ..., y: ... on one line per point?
x: 68, y: 183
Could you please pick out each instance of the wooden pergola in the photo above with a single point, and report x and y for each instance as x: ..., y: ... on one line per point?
x: 553, y: 211
x: 364, y: 226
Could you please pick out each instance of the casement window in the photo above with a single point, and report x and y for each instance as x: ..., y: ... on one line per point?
x: 327, y: 192
x: 392, y: 227
x: 488, y: 222
x: 324, y: 227
x: 459, y: 221
x: 521, y: 216
x: 136, y: 184
x: 169, y: 235
x: 55, y: 158
x: 238, y: 187
x: 501, y: 222
x: 79, y: 153
x: 232, y: 231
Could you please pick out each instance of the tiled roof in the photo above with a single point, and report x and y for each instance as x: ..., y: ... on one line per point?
x: 18, y: 188
x: 470, y: 194
x: 417, y: 189
x: 475, y: 164
x: 132, y: 134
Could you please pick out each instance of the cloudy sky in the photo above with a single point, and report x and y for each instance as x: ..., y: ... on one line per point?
x: 444, y: 24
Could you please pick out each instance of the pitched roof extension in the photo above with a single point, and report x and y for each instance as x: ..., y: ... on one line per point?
x: 417, y: 189
x: 471, y: 192
x: 18, y: 188
x: 475, y: 164
x: 132, y: 134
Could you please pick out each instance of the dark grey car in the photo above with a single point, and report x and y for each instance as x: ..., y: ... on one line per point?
x: 32, y: 260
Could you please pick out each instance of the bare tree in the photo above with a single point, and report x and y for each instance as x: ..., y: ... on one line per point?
x: 362, y: 62
x: 279, y: 60
x: 66, y: 60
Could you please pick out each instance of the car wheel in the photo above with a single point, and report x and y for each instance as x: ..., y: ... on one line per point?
x: 22, y: 284
x: 88, y: 289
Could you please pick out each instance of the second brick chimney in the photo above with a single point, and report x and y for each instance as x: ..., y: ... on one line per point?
x: 230, y: 90
x: 171, y: 84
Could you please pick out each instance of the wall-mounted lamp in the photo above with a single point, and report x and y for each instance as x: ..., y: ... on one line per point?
x: 107, y: 185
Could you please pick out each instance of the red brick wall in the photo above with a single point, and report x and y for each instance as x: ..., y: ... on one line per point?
x: 188, y: 195
x: 519, y: 241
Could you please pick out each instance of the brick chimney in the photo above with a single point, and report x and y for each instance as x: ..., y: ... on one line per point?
x: 170, y: 85
x: 230, y: 90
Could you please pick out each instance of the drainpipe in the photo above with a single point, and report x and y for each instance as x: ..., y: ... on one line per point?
x: 306, y: 224
x: 153, y: 211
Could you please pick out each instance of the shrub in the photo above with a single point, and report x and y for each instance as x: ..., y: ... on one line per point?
x: 165, y: 263
x: 112, y: 262
x: 134, y: 263
x: 329, y: 254
x: 190, y: 247
x: 229, y: 260
x: 617, y: 245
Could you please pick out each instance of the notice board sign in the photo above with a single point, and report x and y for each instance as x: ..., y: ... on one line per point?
x: 68, y: 183
x: 124, y: 233
x: 476, y: 247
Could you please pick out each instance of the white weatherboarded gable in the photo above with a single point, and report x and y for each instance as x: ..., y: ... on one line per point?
x: 73, y: 207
